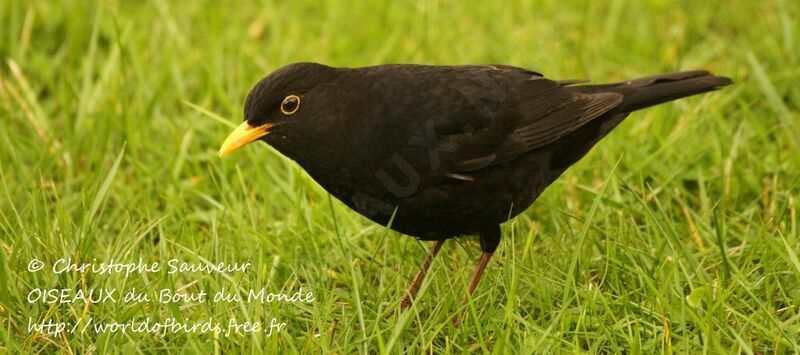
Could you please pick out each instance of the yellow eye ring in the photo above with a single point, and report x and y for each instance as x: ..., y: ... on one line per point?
x: 290, y: 104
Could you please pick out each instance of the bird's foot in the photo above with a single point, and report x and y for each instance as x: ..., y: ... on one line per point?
x: 456, y: 319
x: 404, y: 305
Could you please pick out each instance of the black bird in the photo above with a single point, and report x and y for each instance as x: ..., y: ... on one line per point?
x: 442, y: 151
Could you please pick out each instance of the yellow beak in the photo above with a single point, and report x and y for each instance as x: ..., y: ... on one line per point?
x: 242, y: 135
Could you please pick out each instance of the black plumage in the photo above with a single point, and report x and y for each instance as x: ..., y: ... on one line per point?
x: 444, y: 150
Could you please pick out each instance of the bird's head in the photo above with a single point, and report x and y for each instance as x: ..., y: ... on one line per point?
x: 284, y: 107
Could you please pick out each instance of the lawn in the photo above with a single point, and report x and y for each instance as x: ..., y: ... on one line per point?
x: 677, y: 233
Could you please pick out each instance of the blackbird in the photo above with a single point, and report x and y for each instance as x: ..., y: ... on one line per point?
x: 436, y: 152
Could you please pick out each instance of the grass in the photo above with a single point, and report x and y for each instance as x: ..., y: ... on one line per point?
x: 678, y: 233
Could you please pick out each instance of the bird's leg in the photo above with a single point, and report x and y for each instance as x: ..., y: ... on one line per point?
x: 414, y: 287
x: 473, y: 283
x: 476, y: 276
x: 489, y: 238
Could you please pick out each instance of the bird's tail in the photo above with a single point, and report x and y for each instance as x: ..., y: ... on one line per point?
x: 653, y: 90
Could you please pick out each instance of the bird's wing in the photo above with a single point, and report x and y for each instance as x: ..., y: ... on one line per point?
x: 519, y: 117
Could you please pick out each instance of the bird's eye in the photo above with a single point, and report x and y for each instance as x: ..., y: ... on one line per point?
x: 290, y: 104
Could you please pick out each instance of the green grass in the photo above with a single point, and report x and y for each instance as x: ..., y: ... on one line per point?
x: 678, y: 233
